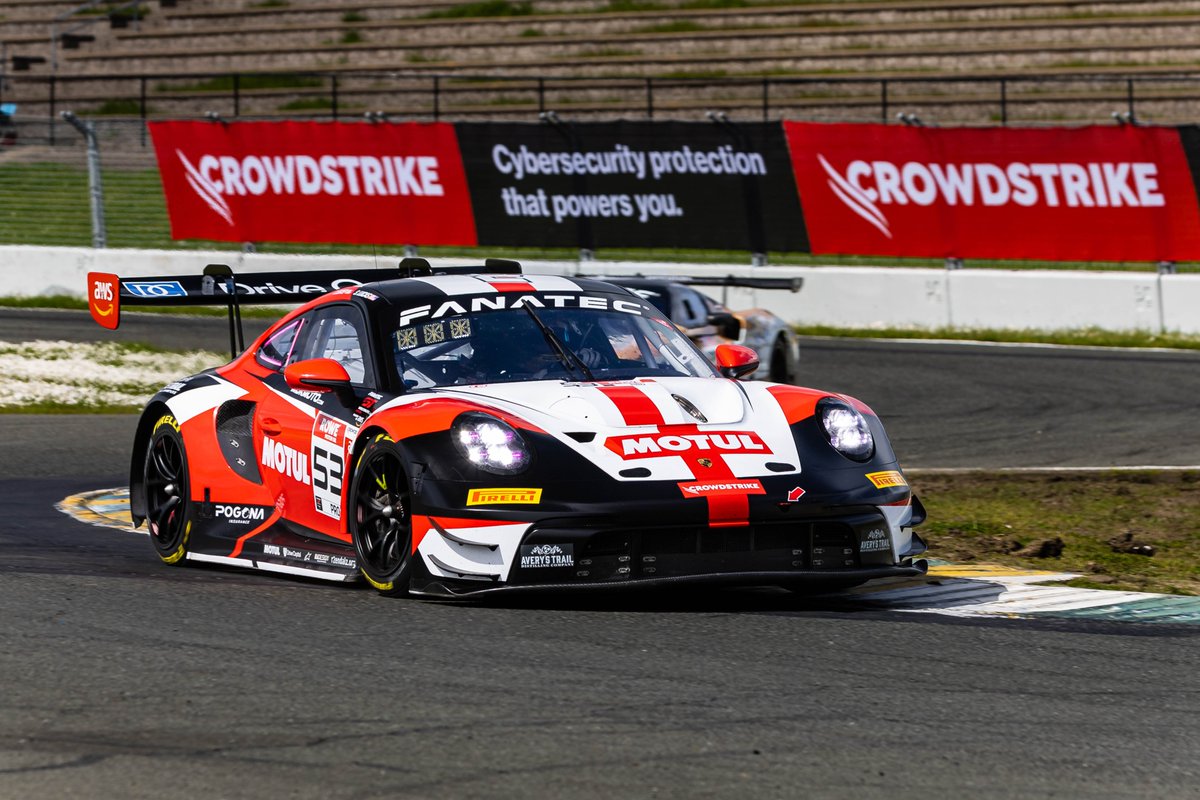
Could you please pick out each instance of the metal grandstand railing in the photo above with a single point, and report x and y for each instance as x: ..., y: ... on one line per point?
x: 949, y: 100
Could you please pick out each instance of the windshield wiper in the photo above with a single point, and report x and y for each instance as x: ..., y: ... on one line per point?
x: 565, y: 354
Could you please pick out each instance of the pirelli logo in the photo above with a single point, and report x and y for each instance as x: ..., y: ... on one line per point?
x: 498, y: 497
x: 883, y: 480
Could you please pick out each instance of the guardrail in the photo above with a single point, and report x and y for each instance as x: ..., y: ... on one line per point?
x: 839, y: 296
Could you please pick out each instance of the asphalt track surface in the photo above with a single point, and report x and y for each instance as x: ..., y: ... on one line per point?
x: 125, y: 678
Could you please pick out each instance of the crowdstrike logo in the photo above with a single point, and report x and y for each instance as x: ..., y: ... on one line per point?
x: 214, y: 178
x: 207, y: 190
x: 868, y: 185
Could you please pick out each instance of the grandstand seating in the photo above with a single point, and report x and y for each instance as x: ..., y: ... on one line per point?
x: 508, y: 59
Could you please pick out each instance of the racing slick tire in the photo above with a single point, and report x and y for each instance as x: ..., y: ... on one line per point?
x: 380, y: 517
x: 169, y: 509
x: 781, y: 368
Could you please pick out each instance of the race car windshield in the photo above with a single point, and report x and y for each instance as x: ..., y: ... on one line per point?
x: 502, y: 346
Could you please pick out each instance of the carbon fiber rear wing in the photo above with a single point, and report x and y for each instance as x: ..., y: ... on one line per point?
x: 217, y: 286
x: 790, y: 284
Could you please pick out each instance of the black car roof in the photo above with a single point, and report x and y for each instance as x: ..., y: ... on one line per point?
x: 404, y: 291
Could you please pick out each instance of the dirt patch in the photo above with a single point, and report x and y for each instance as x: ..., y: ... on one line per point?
x: 1136, y: 530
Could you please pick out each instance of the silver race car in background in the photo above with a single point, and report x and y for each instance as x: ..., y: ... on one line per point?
x: 709, y: 323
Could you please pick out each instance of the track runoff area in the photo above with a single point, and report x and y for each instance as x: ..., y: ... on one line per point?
x: 961, y: 591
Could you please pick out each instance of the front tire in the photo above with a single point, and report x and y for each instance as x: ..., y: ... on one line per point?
x: 381, y: 517
x: 781, y: 367
x: 169, y: 510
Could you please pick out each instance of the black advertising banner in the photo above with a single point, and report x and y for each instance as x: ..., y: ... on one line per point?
x: 633, y: 184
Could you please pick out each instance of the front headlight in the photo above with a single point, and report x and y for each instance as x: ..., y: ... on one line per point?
x: 846, y: 429
x: 490, y: 444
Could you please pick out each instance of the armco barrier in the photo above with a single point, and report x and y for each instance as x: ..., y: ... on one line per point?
x: 837, y: 296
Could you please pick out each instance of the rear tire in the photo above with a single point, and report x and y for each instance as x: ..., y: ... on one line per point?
x: 380, y: 517
x: 169, y: 509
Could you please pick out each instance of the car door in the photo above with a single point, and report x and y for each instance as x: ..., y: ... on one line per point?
x: 307, y: 433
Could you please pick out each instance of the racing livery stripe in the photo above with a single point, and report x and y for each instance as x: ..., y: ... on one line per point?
x: 511, y: 286
x: 454, y: 285
x: 237, y: 548
x: 635, y: 407
x: 795, y: 404
x: 422, y: 524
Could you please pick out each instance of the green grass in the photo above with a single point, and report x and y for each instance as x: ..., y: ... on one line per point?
x: 1088, y: 337
x: 484, y: 8
x: 308, y: 104
x: 990, y: 517
x: 675, y: 26
x: 224, y: 83
x: 351, y: 37
x: 127, y: 107
x: 70, y: 302
x: 354, y: 16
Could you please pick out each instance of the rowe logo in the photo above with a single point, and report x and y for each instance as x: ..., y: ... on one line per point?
x: 867, y: 185
x: 657, y: 445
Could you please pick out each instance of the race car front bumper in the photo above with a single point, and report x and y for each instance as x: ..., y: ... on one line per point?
x: 570, y: 553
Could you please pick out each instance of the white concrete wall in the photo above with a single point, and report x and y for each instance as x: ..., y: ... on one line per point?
x: 837, y: 296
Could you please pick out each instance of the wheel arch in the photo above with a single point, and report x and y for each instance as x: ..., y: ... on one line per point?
x: 137, y: 464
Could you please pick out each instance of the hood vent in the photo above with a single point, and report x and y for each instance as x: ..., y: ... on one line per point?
x: 687, y: 406
x: 583, y: 437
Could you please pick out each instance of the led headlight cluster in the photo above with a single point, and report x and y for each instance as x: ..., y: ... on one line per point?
x: 490, y: 444
x: 846, y: 429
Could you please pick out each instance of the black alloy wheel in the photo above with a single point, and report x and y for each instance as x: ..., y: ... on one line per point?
x: 381, y: 517
x: 168, y: 503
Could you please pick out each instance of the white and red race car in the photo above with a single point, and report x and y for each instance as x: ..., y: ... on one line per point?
x: 473, y: 430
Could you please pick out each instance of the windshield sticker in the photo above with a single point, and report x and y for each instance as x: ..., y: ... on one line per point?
x: 504, y: 302
x: 434, y: 332
x: 406, y: 338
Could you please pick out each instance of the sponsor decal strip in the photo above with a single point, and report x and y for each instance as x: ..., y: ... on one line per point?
x: 886, y: 479
x: 635, y: 406
x: 512, y: 496
x: 237, y: 548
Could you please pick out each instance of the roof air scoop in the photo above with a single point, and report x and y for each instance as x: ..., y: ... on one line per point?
x: 687, y: 406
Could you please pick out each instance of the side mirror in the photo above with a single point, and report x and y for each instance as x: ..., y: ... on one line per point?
x: 318, y: 374
x: 727, y: 324
x: 735, y: 360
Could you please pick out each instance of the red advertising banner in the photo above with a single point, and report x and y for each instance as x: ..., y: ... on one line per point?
x: 314, y: 182
x: 1114, y: 193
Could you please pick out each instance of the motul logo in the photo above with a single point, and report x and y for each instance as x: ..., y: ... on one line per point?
x: 657, y: 445
x: 285, y: 460
x: 867, y: 185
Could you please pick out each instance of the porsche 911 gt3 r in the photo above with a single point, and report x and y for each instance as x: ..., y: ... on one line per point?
x: 478, y: 430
